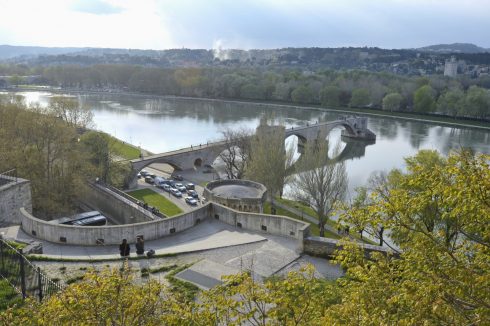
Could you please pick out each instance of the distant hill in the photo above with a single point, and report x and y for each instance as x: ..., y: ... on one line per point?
x: 12, y: 51
x: 454, y: 48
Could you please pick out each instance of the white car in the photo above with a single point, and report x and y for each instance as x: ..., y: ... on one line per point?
x: 180, y: 187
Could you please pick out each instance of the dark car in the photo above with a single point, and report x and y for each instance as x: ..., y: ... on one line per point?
x: 149, y: 180
x: 193, y: 194
x: 178, y: 177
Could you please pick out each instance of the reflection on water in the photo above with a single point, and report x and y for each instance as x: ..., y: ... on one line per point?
x: 162, y: 124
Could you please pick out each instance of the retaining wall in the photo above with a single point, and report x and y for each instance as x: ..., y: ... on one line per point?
x: 13, y: 196
x: 118, y: 208
x: 273, y: 224
x: 325, y: 247
x: 110, y: 234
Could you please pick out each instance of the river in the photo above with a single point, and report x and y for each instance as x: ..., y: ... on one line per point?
x: 161, y: 124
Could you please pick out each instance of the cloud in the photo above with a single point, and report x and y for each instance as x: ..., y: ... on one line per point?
x: 96, y: 7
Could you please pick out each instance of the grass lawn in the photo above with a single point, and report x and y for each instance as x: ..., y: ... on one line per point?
x: 121, y: 148
x: 314, y: 230
x: 153, y: 198
x: 305, y: 208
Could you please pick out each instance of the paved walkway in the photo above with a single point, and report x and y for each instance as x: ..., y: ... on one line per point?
x: 207, y: 235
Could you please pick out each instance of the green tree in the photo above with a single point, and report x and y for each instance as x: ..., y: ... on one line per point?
x: 392, y: 102
x: 477, y: 102
x: 330, y: 96
x: 438, y: 214
x: 424, y: 99
x: 302, y: 94
x: 360, y: 98
x: 451, y: 102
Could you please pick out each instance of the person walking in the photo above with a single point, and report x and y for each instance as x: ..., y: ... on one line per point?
x: 124, y: 248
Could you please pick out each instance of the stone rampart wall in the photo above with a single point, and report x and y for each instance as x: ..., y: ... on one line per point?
x: 110, y: 234
x: 325, y: 247
x: 13, y: 196
x: 114, y: 206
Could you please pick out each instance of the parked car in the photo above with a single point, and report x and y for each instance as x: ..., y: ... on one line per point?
x: 193, y: 194
x: 149, y: 180
x: 158, y: 180
x: 175, y: 192
x: 166, y: 187
x: 190, y: 186
x: 180, y: 187
x: 144, y: 173
x: 178, y: 177
x: 139, y: 175
x: 191, y: 201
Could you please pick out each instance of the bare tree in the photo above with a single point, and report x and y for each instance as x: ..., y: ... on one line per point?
x: 320, y: 182
x: 70, y: 111
x: 269, y: 161
x: 237, y: 152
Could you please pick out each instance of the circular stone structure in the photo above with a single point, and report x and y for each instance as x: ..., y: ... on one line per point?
x: 242, y: 195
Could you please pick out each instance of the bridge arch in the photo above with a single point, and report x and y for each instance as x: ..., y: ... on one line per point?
x: 198, y: 162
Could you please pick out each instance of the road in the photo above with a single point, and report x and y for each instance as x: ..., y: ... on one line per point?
x: 162, y: 172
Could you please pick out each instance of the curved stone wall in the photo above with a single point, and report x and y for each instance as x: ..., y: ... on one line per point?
x: 113, y: 234
x: 251, y: 204
x: 110, y: 234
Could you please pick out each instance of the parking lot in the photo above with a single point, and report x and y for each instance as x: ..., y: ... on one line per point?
x: 191, y: 176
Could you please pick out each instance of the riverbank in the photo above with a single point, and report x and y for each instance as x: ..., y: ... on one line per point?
x: 442, y: 120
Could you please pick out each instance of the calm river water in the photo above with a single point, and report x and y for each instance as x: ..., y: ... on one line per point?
x: 161, y: 124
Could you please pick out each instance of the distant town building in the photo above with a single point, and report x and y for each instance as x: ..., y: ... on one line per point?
x: 451, y: 67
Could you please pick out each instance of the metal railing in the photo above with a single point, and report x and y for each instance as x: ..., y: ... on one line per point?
x: 7, y: 177
x: 27, y: 279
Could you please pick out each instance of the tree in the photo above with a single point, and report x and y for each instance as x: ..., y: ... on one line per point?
x: 302, y: 94
x: 269, y: 160
x: 438, y: 214
x: 236, y: 153
x: 423, y: 100
x: 320, y: 182
x: 360, y: 98
x: 330, y: 96
x: 108, y: 297
x: 392, y: 102
x: 477, y: 102
x: 451, y: 102
x: 70, y: 111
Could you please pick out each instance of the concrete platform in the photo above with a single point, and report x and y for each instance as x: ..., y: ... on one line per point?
x: 209, y: 234
x: 264, y: 261
x: 206, y: 273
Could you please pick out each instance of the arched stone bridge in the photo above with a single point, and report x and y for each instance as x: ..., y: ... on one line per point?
x: 190, y: 157
x: 354, y: 127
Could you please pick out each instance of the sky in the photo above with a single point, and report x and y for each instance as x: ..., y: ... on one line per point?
x: 243, y: 24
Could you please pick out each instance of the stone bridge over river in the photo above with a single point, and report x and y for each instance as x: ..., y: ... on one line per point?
x: 196, y: 156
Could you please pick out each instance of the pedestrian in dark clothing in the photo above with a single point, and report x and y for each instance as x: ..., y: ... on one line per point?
x: 124, y: 248
x: 140, y: 246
